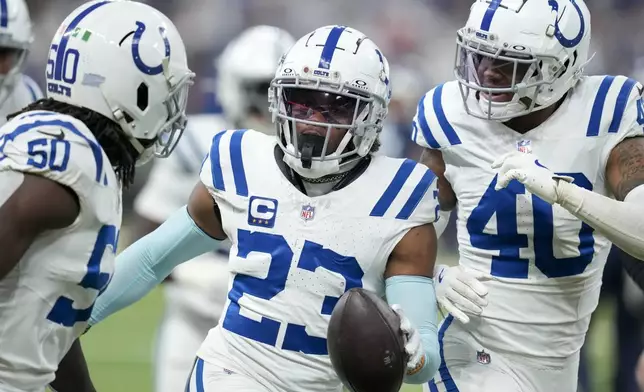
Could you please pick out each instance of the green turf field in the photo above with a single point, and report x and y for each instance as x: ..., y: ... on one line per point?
x: 119, y: 350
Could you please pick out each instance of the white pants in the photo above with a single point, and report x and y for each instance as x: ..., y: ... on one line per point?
x: 190, y: 312
x: 207, y: 377
x: 468, y: 366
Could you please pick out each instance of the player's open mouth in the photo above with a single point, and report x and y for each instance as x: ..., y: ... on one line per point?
x: 499, y: 97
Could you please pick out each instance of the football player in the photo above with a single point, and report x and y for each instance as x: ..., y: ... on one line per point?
x: 310, y: 214
x: 546, y: 166
x: 195, y: 292
x: 117, y: 86
x: 16, y: 89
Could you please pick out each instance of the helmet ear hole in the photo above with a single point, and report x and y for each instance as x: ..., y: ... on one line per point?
x: 142, y: 94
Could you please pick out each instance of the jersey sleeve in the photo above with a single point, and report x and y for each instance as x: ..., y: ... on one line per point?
x: 60, y: 150
x: 431, y: 127
x: 421, y: 194
x: 408, y: 196
x: 627, y: 116
x: 223, y: 171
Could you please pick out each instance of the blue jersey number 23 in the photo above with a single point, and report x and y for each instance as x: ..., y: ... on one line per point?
x: 313, y: 256
x: 508, y: 241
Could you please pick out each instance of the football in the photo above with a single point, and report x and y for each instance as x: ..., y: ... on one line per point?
x: 366, y: 344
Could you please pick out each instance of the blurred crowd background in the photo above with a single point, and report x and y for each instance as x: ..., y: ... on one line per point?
x: 418, y: 37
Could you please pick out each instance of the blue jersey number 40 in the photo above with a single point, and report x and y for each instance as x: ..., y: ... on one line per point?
x: 509, y: 242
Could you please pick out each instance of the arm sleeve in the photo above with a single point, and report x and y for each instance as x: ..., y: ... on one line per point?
x: 148, y: 261
x: 620, y: 221
x: 416, y: 296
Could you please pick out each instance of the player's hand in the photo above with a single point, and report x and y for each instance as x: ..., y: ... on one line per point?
x: 527, y: 169
x: 460, y: 291
x: 413, y: 344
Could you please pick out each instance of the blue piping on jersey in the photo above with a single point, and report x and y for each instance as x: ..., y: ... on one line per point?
x: 598, y: 106
x: 215, y: 163
x: 414, y: 131
x: 329, y: 47
x: 4, y: 14
x: 237, y: 163
x: 199, y: 375
x: 96, y: 149
x: 424, y: 126
x: 489, y: 14
x: 416, y: 195
x: 447, y: 128
x: 388, y: 197
x: 446, y: 377
x: 620, y: 105
x: 37, y: 113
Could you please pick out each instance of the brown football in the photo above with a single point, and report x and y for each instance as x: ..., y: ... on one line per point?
x: 366, y: 344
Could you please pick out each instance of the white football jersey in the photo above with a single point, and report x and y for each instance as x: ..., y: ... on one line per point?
x: 25, y: 92
x: 46, y: 300
x: 168, y: 188
x: 293, y: 256
x: 547, y: 263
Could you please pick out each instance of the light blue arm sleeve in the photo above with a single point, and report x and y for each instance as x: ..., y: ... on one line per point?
x: 416, y: 296
x: 148, y: 261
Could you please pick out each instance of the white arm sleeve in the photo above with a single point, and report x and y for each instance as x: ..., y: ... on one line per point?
x: 622, y: 222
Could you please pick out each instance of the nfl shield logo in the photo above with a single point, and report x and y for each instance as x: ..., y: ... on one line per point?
x: 308, y: 212
x: 483, y: 357
x: 524, y: 146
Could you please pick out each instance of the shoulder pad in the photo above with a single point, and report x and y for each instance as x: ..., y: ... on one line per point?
x: 614, y: 105
x: 410, y: 194
x: 55, y: 146
x: 431, y: 125
x: 224, y: 169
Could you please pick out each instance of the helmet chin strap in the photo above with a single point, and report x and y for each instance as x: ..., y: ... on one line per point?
x: 308, y: 168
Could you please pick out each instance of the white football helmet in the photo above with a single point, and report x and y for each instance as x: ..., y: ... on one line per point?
x: 541, y: 48
x: 245, y: 70
x: 333, y: 79
x: 15, y: 39
x: 126, y: 61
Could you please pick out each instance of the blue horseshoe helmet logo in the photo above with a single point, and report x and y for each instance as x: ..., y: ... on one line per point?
x: 565, y: 42
x: 143, y: 67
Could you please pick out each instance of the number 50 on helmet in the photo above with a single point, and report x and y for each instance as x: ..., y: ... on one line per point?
x: 126, y: 61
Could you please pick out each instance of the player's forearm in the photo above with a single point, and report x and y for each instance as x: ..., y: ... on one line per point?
x: 72, y: 374
x: 622, y: 222
x: 144, y: 264
x: 416, y: 296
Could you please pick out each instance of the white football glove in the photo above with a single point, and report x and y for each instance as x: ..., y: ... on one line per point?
x: 459, y: 291
x: 527, y: 169
x: 413, y: 344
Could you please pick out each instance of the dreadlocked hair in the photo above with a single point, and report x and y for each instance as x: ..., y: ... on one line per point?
x: 117, y: 147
